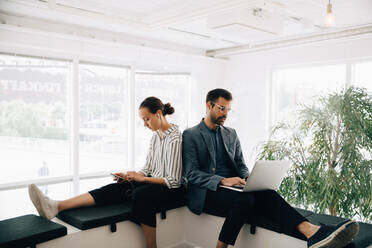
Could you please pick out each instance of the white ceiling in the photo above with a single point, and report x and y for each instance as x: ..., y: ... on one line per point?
x: 184, y: 23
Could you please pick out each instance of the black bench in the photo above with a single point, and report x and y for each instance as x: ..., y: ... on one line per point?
x: 90, y: 217
x: 28, y: 230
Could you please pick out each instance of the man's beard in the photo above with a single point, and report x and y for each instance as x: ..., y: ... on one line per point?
x: 218, y: 120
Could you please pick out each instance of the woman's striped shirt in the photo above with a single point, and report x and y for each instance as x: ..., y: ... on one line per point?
x: 164, y: 157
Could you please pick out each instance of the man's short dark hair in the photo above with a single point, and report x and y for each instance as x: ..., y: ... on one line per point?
x: 213, y: 95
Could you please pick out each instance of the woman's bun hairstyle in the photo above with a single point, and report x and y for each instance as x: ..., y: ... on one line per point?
x: 153, y: 104
x: 168, y: 109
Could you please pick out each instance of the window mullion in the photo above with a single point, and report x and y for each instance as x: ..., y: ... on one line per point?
x: 270, y: 82
x: 188, y: 102
x: 349, y: 75
x: 131, y: 120
x: 74, y: 93
x: 273, y: 98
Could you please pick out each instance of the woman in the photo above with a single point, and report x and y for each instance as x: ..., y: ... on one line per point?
x: 159, y: 180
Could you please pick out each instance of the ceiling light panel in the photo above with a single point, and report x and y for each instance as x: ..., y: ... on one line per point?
x: 252, y: 20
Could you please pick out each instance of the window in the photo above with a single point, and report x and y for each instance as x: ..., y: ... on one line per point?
x: 17, y: 201
x: 103, y: 118
x: 34, y: 120
x: 299, y: 85
x: 363, y: 75
x: 172, y: 88
x: 36, y: 136
x: 292, y: 86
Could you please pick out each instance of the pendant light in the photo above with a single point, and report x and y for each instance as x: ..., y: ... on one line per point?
x: 330, y: 18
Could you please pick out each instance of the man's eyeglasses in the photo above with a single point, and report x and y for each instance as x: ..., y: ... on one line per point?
x: 222, y: 109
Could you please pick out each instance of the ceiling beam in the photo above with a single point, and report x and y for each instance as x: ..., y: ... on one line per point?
x: 82, y: 33
x: 23, y: 7
x: 350, y: 32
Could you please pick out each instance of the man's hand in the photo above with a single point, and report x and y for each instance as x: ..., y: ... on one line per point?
x: 233, y: 181
x: 135, y: 176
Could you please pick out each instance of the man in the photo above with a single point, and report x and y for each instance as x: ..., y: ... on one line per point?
x: 212, y: 156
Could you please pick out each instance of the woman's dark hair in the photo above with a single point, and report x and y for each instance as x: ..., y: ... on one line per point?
x: 153, y: 104
x: 213, y: 95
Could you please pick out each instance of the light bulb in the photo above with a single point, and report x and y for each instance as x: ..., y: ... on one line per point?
x: 330, y: 18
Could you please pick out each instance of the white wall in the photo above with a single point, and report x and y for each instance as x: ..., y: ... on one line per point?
x: 249, y: 78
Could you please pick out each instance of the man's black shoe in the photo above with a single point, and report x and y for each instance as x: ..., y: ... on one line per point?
x: 337, y: 236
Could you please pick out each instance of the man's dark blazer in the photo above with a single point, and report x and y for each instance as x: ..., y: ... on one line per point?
x: 199, y: 162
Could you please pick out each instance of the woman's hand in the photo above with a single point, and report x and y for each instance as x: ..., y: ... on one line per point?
x: 120, y: 176
x: 135, y: 176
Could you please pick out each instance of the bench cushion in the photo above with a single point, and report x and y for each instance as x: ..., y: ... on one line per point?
x: 90, y: 217
x: 28, y: 230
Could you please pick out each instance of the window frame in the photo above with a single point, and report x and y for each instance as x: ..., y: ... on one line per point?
x: 272, y: 85
x: 73, y: 106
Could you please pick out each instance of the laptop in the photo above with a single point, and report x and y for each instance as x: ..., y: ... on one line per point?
x: 265, y: 175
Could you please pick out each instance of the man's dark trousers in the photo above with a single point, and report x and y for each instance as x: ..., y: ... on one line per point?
x: 242, y: 207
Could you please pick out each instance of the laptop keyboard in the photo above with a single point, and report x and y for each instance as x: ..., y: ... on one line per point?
x: 238, y: 187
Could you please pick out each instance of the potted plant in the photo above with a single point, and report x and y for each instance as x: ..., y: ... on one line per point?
x: 330, y: 146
